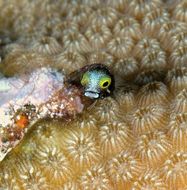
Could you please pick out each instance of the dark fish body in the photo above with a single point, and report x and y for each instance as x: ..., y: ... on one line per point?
x: 96, y: 72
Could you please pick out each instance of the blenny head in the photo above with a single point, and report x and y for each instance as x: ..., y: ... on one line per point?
x: 96, y: 80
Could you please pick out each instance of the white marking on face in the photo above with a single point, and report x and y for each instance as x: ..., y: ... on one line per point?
x: 91, y: 94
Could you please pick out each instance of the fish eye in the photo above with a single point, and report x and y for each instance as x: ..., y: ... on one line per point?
x: 105, y: 82
x: 85, y: 79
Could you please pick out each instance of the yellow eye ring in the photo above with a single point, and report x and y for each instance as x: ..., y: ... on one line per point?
x: 85, y: 79
x: 105, y: 82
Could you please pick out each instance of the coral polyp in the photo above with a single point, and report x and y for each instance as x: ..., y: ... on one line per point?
x: 178, y: 56
x: 180, y: 11
x: 98, y: 35
x: 139, y: 8
x: 149, y: 180
x: 7, y: 180
x: 168, y: 30
x: 79, y: 14
x: 179, y: 104
x: 149, y: 76
x: 177, y: 79
x: 180, y: 39
x: 20, y: 61
x: 100, y: 56
x: 106, y: 112
x: 154, y: 20
x: 31, y: 177
x: 48, y: 46
x: 104, y: 16
x: 53, y: 162
x: 174, y: 170
x: 73, y: 40
x: 145, y: 45
x: 129, y: 65
x: 153, y: 93
x: 69, y: 61
x: 154, y: 59
x: 177, y: 131
x: 119, y: 5
x: 123, y: 168
x: 128, y: 27
x: 96, y: 177
x: 113, y: 137
x: 126, y: 99
x: 82, y: 149
x: 153, y: 148
x: 120, y: 47
x: 148, y: 118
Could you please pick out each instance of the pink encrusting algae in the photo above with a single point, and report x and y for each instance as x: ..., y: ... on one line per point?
x: 24, y: 100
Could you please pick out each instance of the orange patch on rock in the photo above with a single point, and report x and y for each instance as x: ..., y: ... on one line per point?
x: 22, y: 121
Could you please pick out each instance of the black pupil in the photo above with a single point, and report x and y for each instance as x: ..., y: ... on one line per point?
x: 105, y: 84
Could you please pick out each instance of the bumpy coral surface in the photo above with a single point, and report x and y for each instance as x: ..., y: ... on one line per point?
x: 135, y: 139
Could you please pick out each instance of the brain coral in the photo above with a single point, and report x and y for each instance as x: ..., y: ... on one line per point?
x: 135, y: 139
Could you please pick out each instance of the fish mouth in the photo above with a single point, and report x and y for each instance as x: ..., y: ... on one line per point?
x: 91, y: 94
